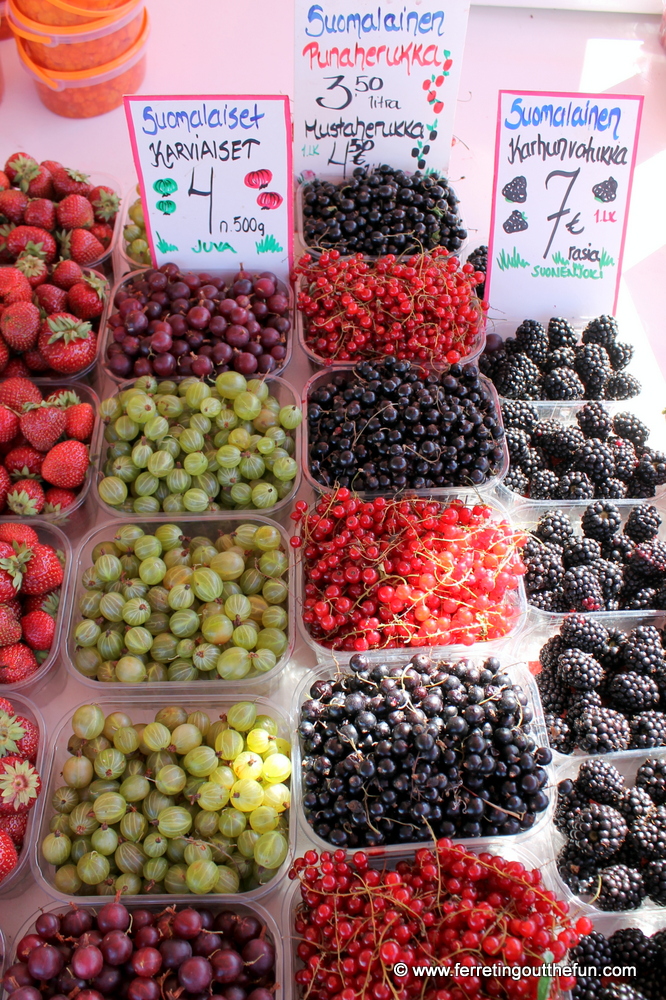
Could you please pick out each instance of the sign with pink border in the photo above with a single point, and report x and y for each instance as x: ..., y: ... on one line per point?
x: 564, y: 166
x: 216, y: 179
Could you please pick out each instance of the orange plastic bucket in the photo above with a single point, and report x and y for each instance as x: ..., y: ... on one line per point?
x: 62, y: 12
x: 87, y: 93
x: 84, y: 47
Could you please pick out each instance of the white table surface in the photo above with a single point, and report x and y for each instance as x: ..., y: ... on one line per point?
x: 214, y: 46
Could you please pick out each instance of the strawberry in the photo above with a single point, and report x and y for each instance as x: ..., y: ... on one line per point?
x: 86, y: 299
x: 11, y: 573
x: 11, y: 532
x: 38, y: 629
x: 40, y: 602
x: 14, y: 286
x: 52, y: 166
x: 8, y: 855
x: 36, y: 362
x: 26, y: 498
x: 43, y: 570
x: 62, y: 398
x: 15, y: 826
x: 6, y: 705
x: 42, y: 425
x: 18, y: 164
x: 15, y: 606
x: 105, y: 202
x: 33, y: 239
x: 66, y: 273
x: 41, y: 185
x: 50, y: 298
x: 16, y: 663
x: 67, y: 181
x: 66, y: 465
x: 11, y: 733
x: 19, y: 325
x: 58, y: 500
x: 41, y: 213
x: 79, y: 245
x: 13, y: 204
x: 80, y: 420
x: 29, y: 744
x: 4, y: 355
x: 102, y: 232
x: 68, y: 344
x: 10, y: 632
x: 5, y: 230
x: 33, y: 267
x: 20, y: 783
x: 14, y: 392
x: 4, y: 181
x: 5, y: 486
x: 24, y: 462
x: 75, y: 212
x: 16, y: 368
x: 9, y: 424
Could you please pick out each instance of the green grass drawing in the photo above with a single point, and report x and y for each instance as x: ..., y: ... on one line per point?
x: 268, y: 245
x: 559, y: 259
x: 165, y: 247
x: 606, y: 260
x: 506, y: 262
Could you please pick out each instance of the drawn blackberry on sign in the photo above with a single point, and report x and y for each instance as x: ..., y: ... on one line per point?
x: 516, y: 223
x: 606, y: 191
x: 516, y: 190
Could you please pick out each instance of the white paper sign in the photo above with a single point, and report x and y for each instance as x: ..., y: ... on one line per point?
x: 376, y: 82
x: 216, y: 179
x: 564, y: 165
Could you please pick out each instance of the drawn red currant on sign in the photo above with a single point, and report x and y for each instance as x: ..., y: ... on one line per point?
x: 438, y: 106
x: 426, y: 84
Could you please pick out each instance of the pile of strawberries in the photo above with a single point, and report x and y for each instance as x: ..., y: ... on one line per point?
x: 49, y: 211
x: 20, y: 783
x: 31, y: 574
x: 43, y: 453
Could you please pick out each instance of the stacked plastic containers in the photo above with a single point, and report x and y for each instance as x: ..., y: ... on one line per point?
x: 83, y: 54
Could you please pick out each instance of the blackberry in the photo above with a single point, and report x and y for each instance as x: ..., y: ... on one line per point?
x: 632, y: 693
x: 603, y: 730
x: 582, y: 703
x: 592, y: 949
x: 602, y: 330
x: 639, y: 600
x: 643, y: 523
x: 621, y: 385
x: 612, y: 655
x: 577, y: 872
x: 654, y: 877
x: 651, y: 985
x: 479, y: 260
x: 517, y: 378
x: 651, y: 776
x: 648, y: 729
x: 611, y: 578
x: 651, y: 468
x: 580, y: 632
x: 619, y: 888
x: 554, y: 697
x: 600, y: 781
x: 624, y: 456
x: 579, y: 670
x: 648, y: 559
x: 621, y: 991
x: 543, y: 485
x: 561, y: 357
x: 594, y: 421
x: 556, y: 440
x: 642, y: 650
x: 519, y: 414
x: 639, y: 490
x: 518, y: 443
x: 575, y: 486
x: 547, y: 600
x: 593, y: 367
x: 550, y: 651
x: 532, y: 340
x: 555, y: 527
x: 561, y: 333
x: 648, y: 834
x: 561, y: 383
x: 626, y: 425
x: 620, y: 355
x: 517, y: 481
x: 569, y: 804
x: 617, y: 548
x: 611, y: 489
x: 582, y: 589
x: 635, y: 803
x: 630, y: 946
x: 533, y: 461
x: 587, y: 987
x: 579, y: 550
x: 596, y: 459
x: 601, y: 520
x: 560, y: 736
x: 544, y: 570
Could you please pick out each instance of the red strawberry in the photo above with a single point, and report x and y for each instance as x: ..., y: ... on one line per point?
x: 33, y: 239
x: 102, y: 232
x: 9, y: 424
x: 11, y: 574
x: 58, y: 500
x: 18, y: 164
x: 17, y: 368
x: 29, y: 744
x: 75, y: 212
x: 12, y: 730
x: 105, y: 201
x: 66, y: 273
x: 50, y: 298
x: 5, y: 486
x: 41, y: 185
x: 43, y: 570
x: 41, y: 602
x: 8, y: 855
x: 42, y: 213
x: 15, y: 826
x: 14, y: 286
x: 42, y: 425
x: 33, y: 267
x: 68, y: 344
x: 5, y: 230
x: 66, y: 465
x: 79, y: 245
x: 13, y: 204
x: 19, y: 325
x: 36, y: 362
x: 4, y: 355
x: 16, y: 663
x: 67, y: 181
x: 52, y: 166
x: 20, y: 783
x: 80, y: 421
x: 24, y: 462
x: 6, y: 705
x: 38, y: 629
x: 4, y: 181
x: 26, y: 498
x: 11, y: 532
x: 15, y: 605
x: 10, y: 632
x: 14, y: 392
x: 86, y: 299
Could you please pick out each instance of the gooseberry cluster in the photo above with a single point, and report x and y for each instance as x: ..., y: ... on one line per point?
x: 361, y: 928
x: 181, y: 804
x: 422, y: 308
x: 187, y: 446
x: 410, y: 572
x: 143, y: 954
x: 164, y: 607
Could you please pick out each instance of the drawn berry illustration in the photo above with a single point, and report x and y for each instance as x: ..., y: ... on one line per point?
x: 516, y: 223
x: 516, y: 190
x: 606, y: 191
x: 165, y: 186
x: 258, y: 179
x: 269, y: 199
x: 166, y: 206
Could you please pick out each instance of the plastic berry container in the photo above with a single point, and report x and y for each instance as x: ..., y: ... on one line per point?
x: 144, y: 709
x: 70, y: 12
x: 123, y: 263
x: 279, y: 387
x: 25, y: 707
x: 211, y: 527
x: 325, y: 377
x: 48, y: 534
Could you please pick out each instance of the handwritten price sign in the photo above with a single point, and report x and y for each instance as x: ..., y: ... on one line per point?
x: 563, y: 171
x: 376, y: 83
x: 215, y: 176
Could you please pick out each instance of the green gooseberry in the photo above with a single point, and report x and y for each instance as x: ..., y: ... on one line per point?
x: 155, y: 428
x: 87, y: 633
x: 152, y: 570
x: 196, y: 501
x: 207, y: 482
x: 181, y: 597
x: 110, y: 645
x: 136, y: 611
x: 156, y: 672
x: 135, y: 788
x: 182, y: 671
x: 164, y: 648
x: 205, y: 657
x: 158, y: 598
x: 112, y: 491
x: 264, y: 495
x: 130, y: 670
x: 170, y: 406
x: 138, y: 640
x: 178, y: 480
x: 161, y: 464
x: 89, y: 603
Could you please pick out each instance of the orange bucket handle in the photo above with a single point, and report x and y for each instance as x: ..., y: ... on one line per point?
x: 93, y: 14
x: 17, y: 20
x: 73, y: 76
